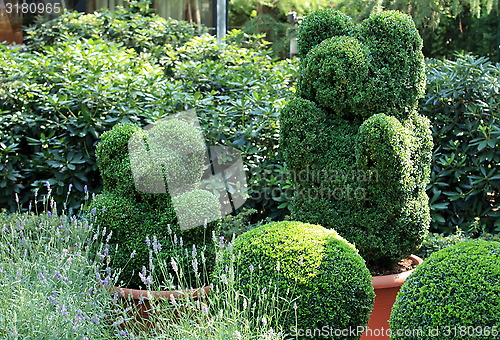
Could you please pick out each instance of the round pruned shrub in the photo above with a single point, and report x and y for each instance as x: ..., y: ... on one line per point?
x: 321, y: 275
x: 454, y: 294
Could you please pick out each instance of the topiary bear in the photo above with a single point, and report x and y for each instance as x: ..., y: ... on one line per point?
x: 137, y: 166
x: 358, y: 150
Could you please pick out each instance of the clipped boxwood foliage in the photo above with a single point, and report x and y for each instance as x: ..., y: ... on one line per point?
x: 357, y: 149
x: 134, y: 215
x: 320, y: 25
x: 454, y: 294
x: 314, y: 267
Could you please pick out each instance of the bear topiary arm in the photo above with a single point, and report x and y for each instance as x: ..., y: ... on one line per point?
x: 398, y: 153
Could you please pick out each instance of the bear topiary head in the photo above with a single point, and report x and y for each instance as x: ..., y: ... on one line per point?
x: 455, y: 293
x: 312, y: 266
x: 375, y: 68
x: 151, y: 190
x: 357, y: 150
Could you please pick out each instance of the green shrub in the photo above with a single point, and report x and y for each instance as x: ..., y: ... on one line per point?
x: 434, y: 242
x: 455, y: 293
x: 357, y: 150
x: 133, y: 27
x: 56, y: 104
x: 324, y: 279
x: 137, y: 212
x: 463, y: 105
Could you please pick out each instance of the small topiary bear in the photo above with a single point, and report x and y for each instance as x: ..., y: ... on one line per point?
x: 358, y: 151
x: 133, y: 207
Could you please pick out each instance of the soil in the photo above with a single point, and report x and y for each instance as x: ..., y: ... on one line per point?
x: 401, y: 267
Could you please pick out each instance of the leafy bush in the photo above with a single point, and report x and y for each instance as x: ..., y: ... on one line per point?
x: 462, y: 102
x: 324, y: 280
x: 134, y: 27
x: 56, y: 104
x: 456, y: 293
x: 239, y: 93
x: 321, y: 25
x: 136, y: 212
x: 357, y: 150
x: 434, y: 242
x: 57, y: 101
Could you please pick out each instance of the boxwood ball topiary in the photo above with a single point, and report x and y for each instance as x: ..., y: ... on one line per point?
x: 455, y: 294
x: 357, y: 150
x: 317, y: 267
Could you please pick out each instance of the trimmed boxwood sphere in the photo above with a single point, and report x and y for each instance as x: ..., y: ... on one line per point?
x: 309, y: 263
x: 455, y: 294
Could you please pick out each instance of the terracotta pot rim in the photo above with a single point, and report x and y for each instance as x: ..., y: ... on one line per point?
x: 138, y: 294
x: 395, y: 280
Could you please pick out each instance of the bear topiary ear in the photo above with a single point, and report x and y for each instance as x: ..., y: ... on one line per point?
x: 396, y: 61
x: 321, y: 25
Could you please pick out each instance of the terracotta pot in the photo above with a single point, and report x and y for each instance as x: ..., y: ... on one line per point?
x: 386, y: 288
x: 139, y: 300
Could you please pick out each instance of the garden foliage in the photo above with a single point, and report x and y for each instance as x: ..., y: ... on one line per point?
x: 358, y: 150
x: 456, y: 292
x: 50, y: 285
x: 74, y: 80
x: 463, y: 105
x: 322, y: 278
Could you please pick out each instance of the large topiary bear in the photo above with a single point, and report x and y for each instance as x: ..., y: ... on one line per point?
x: 358, y: 151
x: 136, y: 165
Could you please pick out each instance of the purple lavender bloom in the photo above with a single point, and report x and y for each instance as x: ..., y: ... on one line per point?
x: 63, y: 310
x: 174, y: 265
x: 42, y: 278
x: 156, y: 245
x: 146, y: 280
x: 148, y: 241
x: 58, y: 275
x: 53, y: 300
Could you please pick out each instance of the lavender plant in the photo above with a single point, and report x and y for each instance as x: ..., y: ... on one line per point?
x: 49, y: 287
